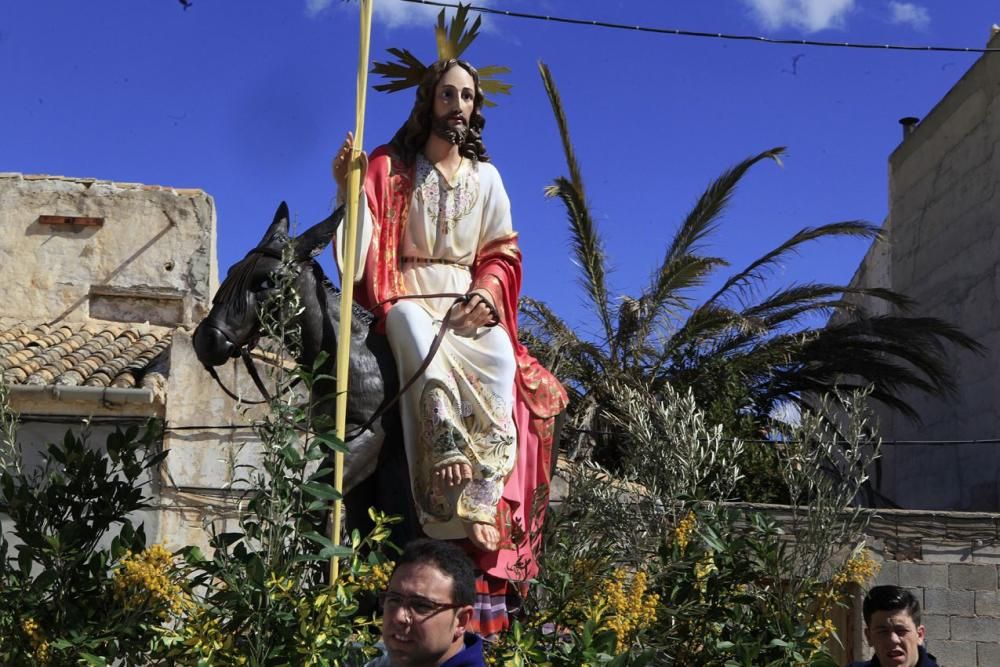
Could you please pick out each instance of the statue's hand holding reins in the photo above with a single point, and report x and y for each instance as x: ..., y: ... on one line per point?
x: 474, y: 311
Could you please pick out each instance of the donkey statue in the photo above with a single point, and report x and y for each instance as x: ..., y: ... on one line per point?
x: 375, y: 470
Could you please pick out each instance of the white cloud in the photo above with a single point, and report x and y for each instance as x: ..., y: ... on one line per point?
x: 908, y: 13
x: 394, y: 13
x: 314, y: 7
x: 808, y: 15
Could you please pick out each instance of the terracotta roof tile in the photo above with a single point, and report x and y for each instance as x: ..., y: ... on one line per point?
x: 92, y: 354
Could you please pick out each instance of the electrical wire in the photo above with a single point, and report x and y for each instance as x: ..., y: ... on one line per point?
x: 712, y: 35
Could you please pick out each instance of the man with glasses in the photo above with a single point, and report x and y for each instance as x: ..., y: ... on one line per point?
x: 427, y: 607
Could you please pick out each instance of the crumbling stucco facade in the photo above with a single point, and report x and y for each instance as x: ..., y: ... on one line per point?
x: 76, y: 253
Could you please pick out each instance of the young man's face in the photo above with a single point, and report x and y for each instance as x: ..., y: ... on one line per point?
x: 415, y: 631
x: 895, y: 638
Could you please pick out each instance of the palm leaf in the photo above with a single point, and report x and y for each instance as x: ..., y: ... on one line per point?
x: 546, y: 326
x: 680, y: 269
x: 890, y: 353
x: 540, y: 314
x: 587, y: 244
x: 557, y: 109
x: 626, y: 343
x: 755, y: 272
x: 587, y: 249
x: 701, y: 221
x: 790, y: 303
x: 668, y: 292
x: 919, y: 341
x: 708, y: 322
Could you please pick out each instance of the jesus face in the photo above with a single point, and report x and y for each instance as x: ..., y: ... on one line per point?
x: 454, y: 101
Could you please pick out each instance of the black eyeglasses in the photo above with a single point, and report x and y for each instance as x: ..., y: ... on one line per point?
x: 418, y: 606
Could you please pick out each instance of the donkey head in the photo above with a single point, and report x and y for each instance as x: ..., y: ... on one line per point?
x: 234, y: 320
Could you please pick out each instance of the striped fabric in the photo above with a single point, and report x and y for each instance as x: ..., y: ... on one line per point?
x: 490, y: 615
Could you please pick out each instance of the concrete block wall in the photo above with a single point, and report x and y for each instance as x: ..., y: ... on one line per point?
x: 951, y: 563
x: 941, y: 248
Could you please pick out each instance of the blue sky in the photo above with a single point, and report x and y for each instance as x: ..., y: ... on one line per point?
x: 249, y: 100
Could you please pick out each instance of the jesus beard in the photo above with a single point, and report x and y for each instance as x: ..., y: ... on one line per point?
x: 453, y: 134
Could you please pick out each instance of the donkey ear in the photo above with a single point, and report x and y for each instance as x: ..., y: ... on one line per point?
x: 312, y: 241
x: 279, y: 226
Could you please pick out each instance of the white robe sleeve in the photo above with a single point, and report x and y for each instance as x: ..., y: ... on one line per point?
x: 496, y: 206
x: 364, y: 239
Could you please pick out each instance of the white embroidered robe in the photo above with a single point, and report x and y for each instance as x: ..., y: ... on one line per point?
x: 460, y: 410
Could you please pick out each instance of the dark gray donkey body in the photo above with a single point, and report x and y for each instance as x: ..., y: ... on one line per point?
x: 375, y: 470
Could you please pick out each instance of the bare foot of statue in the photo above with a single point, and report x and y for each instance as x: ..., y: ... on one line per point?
x: 483, y: 535
x: 453, y: 475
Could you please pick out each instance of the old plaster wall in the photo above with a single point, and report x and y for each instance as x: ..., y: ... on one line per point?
x: 152, y: 258
x: 943, y: 251
x: 213, y: 451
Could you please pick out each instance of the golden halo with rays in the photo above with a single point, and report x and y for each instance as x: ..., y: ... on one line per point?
x: 406, y: 71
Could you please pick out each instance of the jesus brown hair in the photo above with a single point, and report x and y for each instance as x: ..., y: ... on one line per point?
x: 411, y: 137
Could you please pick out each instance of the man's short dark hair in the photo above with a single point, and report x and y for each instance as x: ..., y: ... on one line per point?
x: 449, y: 559
x: 890, y: 598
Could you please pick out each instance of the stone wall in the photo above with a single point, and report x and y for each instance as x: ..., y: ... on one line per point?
x: 951, y: 563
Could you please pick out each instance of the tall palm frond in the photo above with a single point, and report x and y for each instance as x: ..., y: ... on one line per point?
x: 755, y: 271
x: 587, y: 246
x: 668, y: 295
x: 792, y: 302
x: 681, y: 269
x: 579, y: 361
x: 703, y: 218
x: 917, y: 341
x: 741, y: 351
x: 785, y: 311
x: 707, y: 322
x: 887, y: 352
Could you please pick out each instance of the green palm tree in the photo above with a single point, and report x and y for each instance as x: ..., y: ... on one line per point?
x: 740, y: 352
